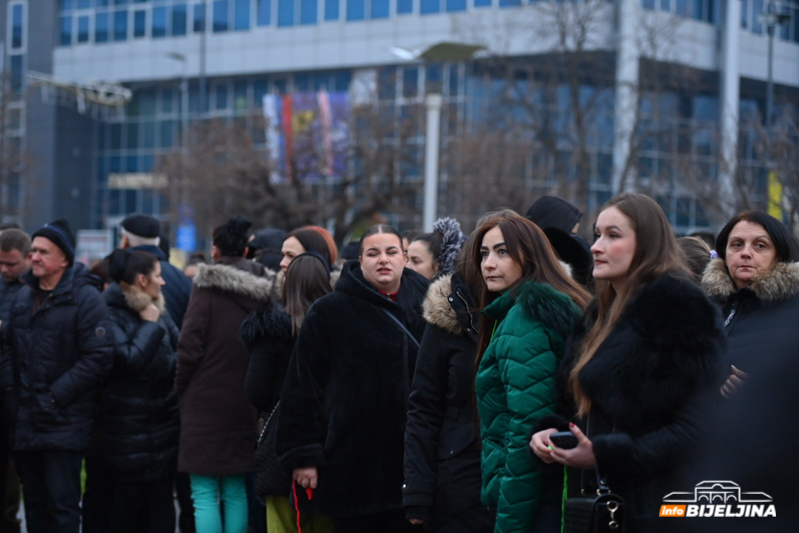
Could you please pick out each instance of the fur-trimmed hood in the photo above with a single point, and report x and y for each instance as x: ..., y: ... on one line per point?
x: 779, y: 283
x: 450, y: 306
x: 123, y: 295
x: 233, y: 279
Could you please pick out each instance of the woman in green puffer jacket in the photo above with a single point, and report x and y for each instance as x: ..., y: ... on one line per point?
x: 530, y: 307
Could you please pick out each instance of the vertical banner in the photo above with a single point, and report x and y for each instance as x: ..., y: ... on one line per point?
x: 774, y: 195
x: 272, y: 112
x: 324, y: 111
x: 288, y: 134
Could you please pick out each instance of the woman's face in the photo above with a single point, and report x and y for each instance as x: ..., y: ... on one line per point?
x: 421, y: 260
x: 291, y: 249
x: 500, y: 270
x: 614, y: 247
x: 382, y: 261
x: 151, y: 285
x: 750, y: 252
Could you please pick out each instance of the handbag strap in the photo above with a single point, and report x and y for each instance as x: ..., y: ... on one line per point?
x: 266, y: 424
x: 601, y: 481
x: 401, y: 326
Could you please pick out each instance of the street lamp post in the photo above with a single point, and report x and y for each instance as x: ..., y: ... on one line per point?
x: 771, y: 19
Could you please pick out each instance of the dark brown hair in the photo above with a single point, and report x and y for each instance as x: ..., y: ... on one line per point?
x: 697, y: 255
x: 312, y: 240
x: 784, y: 243
x: 306, y: 281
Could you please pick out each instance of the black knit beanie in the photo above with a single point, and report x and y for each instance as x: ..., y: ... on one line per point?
x: 58, y: 233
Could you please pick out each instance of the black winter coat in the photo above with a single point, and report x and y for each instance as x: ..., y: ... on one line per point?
x: 345, y: 398
x: 57, y: 355
x: 141, y: 419
x: 764, y: 328
x: 442, y: 448
x: 7, y: 293
x: 177, y: 288
x: 649, y: 383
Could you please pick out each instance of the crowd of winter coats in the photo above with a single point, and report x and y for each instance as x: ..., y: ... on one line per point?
x: 412, y: 382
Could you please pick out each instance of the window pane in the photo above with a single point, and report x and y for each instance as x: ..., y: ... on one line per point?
x: 482, y: 3
x: 167, y: 96
x: 121, y: 25
x: 167, y: 134
x: 139, y: 23
x: 404, y: 6
x: 682, y: 8
x: 242, y: 20
x: 221, y: 16
x: 456, y: 5
x: 16, y: 30
x: 285, y: 12
x: 379, y: 9
x: 649, y: 4
x: 308, y: 11
x: 430, y: 6
x: 509, y: 3
x: 410, y: 82
x: 17, y: 78
x: 259, y: 88
x: 263, y: 15
x: 356, y: 9
x: 84, y: 4
x: 83, y: 29
x: 179, y: 19
x: 199, y: 18
x: 133, y: 135
x: 240, y: 96
x: 66, y: 31
x: 148, y: 135
x: 66, y: 5
x: 221, y: 97
x: 101, y: 28
x: 159, y: 22
x: 331, y: 9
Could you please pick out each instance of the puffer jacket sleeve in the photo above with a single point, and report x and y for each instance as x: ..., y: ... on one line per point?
x: 95, y: 345
x: 301, y: 430
x: 527, y: 365
x: 425, y: 418
x: 7, y: 358
x: 193, y: 337
x: 136, y: 348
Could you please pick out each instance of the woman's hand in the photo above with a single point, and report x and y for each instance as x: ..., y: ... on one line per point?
x: 541, y: 445
x: 416, y: 521
x: 306, y: 477
x: 734, y: 382
x: 150, y: 313
x: 582, y: 456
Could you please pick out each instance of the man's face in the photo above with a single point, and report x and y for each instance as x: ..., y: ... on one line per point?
x: 47, y: 259
x: 12, y: 265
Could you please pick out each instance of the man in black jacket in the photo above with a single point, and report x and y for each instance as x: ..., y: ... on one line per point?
x: 140, y: 232
x: 58, y: 350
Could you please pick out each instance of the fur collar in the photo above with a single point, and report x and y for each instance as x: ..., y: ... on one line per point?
x: 541, y: 302
x: 437, y: 309
x: 234, y: 280
x: 779, y: 283
x: 138, y: 301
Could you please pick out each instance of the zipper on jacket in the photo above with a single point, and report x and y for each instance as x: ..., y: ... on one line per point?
x: 468, y: 311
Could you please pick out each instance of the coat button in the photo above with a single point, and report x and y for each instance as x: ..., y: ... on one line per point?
x: 451, y: 299
x: 404, y: 486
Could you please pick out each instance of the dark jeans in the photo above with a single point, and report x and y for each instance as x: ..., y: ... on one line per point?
x: 183, y: 490
x: 143, y: 503
x: 98, y: 499
x: 51, y: 481
x: 387, y: 522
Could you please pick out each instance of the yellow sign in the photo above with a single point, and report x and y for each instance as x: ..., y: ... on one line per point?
x: 774, y: 195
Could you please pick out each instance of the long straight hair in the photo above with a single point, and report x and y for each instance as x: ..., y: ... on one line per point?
x: 307, y: 280
x: 656, y: 253
x: 529, y: 247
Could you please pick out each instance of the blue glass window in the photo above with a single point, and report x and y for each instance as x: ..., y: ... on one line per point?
x: 17, y: 78
x: 83, y: 29
x: 264, y: 16
x: 159, y: 22
x: 66, y: 31
x: 744, y: 13
x: 121, y: 25
x: 199, y: 18
x: 148, y: 131
x: 221, y: 97
x: 285, y: 12
x: 102, y: 3
x: 167, y: 95
x: 101, y: 28
x: 482, y: 3
x: 509, y: 3
x: 139, y: 23
x: 682, y: 8
x: 341, y: 81
x: 259, y: 89
x: 331, y: 9
x: 404, y: 6
x: 84, y: 4
x: 221, y: 16
x: 380, y: 9
x: 356, y: 9
x: 430, y: 6
x: 648, y: 4
x: 167, y: 134
x: 66, y: 5
x: 120, y: 2
x: 456, y: 5
x: 16, y: 26
x: 308, y: 11
x: 301, y: 83
x: 240, y: 96
x: 242, y: 19
x: 410, y: 82
x: 757, y: 9
x: 179, y: 16
x: 665, y: 5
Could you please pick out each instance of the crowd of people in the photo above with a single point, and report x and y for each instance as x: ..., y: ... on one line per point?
x: 414, y: 381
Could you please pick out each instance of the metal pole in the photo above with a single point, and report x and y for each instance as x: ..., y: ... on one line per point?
x: 203, y: 81
x: 770, y: 81
x: 432, y: 135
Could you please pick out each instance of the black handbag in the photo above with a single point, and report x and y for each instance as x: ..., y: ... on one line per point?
x: 270, y: 476
x: 603, y: 513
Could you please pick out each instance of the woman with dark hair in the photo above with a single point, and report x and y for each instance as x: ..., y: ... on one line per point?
x: 646, y: 355
x: 756, y: 281
x: 270, y: 337
x: 530, y: 307
x: 697, y: 256
x: 218, y: 424
x: 344, y: 400
x: 433, y: 254
x: 442, y: 446
x: 140, y: 411
x: 308, y: 239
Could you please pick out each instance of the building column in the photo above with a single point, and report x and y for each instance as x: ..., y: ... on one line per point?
x: 729, y: 100
x: 626, y: 105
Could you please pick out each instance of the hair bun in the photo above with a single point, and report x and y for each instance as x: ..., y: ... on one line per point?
x: 116, y: 264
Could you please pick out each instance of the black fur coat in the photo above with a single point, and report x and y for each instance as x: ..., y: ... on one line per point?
x: 345, y: 398
x: 649, y: 383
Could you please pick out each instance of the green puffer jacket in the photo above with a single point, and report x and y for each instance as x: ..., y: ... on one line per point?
x: 515, y: 387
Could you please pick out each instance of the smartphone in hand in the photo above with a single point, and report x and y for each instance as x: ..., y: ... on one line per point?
x: 564, y: 440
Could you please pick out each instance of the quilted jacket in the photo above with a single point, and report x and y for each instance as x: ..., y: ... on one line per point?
x: 515, y: 387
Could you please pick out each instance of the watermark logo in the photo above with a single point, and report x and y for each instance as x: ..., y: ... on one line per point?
x: 717, y: 499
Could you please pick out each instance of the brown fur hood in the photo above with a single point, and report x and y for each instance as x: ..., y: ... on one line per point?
x: 138, y: 301
x: 780, y: 283
x: 436, y: 308
x: 234, y: 280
